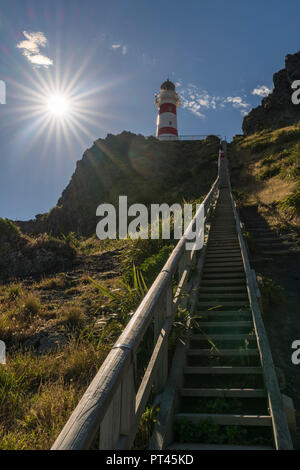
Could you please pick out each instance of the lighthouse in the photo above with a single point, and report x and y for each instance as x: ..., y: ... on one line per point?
x: 167, y: 102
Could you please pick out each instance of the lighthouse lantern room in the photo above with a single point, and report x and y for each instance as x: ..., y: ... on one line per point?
x: 167, y: 102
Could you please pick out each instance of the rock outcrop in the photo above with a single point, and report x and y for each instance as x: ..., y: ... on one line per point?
x: 277, y: 109
x: 145, y: 170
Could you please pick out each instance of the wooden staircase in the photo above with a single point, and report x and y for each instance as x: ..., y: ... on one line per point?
x: 220, y: 391
x: 223, y: 378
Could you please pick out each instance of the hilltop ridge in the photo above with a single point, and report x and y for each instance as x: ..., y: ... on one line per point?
x: 144, y: 169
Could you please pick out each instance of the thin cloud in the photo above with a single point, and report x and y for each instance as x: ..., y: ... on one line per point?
x: 194, y: 99
x: 31, y: 48
x: 237, y: 102
x: 261, y: 90
x: 198, y: 101
x: 123, y: 48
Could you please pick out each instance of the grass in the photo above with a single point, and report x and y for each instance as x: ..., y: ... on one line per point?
x: 37, y: 395
x: 72, y: 315
x: 57, y: 282
x: 14, y: 291
x: 39, y: 391
x: 30, y: 304
x: 290, y: 205
x: 266, y: 167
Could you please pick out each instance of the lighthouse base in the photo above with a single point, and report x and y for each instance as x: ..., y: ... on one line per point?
x: 167, y: 137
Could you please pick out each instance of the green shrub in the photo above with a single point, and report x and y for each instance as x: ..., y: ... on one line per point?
x: 8, y: 228
x: 291, y: 204
x: 272, y: 294
x: 14, y: 291
x: 10, y: 236
x: 269, y: 172
x: 71, y: 239
x: 151, y: 266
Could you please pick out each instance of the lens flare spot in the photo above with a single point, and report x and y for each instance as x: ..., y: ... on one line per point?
x: 58, y: 105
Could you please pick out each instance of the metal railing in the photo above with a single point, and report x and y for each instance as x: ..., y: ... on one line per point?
x: 109, y: 413
x: 198, y: 136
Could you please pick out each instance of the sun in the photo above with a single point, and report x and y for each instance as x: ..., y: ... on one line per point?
x: 58, y: 105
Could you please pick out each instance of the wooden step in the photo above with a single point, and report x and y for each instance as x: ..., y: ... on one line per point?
x: 220, y: 313
x: 224, y: 392
x: 223, y: 246
x: 222, y: 295
x: 231, y: 257
x: 225, y: 233
x: 223, y: 370
x: 223, y: 352
x: 223, y: 269
x: 223, y: 337
x: 226, y: 324
x: 227, y: 282
x: 197, y: 446
x: 221, y: 276
x: 222, y: 238
x: 223, y: 289
x: 223, y: 242
x: 239, y: 303
x: 226, y: 419
x: 222, y: 251
x: 223, y: 263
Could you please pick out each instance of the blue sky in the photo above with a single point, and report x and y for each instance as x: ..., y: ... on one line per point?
x: 110, y: 57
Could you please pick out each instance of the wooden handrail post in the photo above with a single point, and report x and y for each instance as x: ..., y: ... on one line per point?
x: 110, y: 425
x: 128, y: 401
x: 165, y: 311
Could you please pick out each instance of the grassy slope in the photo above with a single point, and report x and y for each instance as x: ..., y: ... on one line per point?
x: 265, y: 170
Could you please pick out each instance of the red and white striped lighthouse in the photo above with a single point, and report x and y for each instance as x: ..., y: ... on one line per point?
x: 167, y: 102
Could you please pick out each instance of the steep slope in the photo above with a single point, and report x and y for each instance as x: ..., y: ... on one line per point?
x: 265, y: 170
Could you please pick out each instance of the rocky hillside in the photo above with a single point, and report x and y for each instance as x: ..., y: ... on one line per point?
x: 277, y: 109
x: 145, y: 169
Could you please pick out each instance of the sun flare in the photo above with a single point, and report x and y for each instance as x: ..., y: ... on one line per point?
x: 58, y: 105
